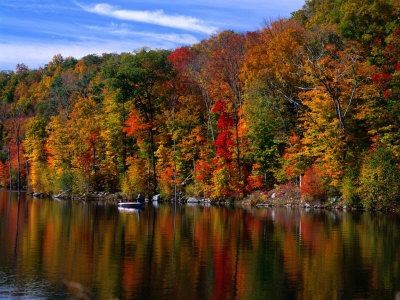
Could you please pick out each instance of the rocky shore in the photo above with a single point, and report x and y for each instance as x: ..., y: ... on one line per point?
x: 258, y: 200
x: 291, y: 200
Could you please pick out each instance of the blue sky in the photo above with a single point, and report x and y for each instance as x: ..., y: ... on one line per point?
x: 33, y: 31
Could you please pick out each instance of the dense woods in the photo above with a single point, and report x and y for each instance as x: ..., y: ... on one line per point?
x: 311, y: 102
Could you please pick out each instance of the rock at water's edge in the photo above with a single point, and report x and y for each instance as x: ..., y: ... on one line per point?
x: 193, y: 200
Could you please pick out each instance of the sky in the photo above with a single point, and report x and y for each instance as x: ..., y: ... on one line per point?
x: 33, y: 31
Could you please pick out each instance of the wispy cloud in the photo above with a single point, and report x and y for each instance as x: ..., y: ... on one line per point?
x: 124, y: 31
x: 157, y: 17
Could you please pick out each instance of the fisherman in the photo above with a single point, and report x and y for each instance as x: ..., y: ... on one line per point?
x: 139, y: 198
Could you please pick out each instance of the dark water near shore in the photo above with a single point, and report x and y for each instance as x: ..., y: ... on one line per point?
x: 74, y: 250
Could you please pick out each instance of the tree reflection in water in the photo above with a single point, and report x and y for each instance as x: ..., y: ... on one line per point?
x: 195, y: 252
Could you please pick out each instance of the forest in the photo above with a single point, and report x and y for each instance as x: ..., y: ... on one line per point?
x: 310, y: 103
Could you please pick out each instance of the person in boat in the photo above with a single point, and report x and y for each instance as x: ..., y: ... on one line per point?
x: 139, y: 198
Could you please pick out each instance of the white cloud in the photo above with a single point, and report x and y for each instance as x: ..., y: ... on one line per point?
x: 38, y: 54
x: 123, y: 30
x: 157, y: 17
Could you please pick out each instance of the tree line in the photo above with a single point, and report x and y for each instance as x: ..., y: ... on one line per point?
x: 312, y: 100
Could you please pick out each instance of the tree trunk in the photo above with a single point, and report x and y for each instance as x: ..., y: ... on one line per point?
x: 237, y: 135
x: 173, y: 137
x: 94, y: 159
x: 123, y: 138
x: 27, y: 172
x: 153, y: 161
x: 148, y: 173
x: 9, y: 167
x: 18, y: 171
x: 211, y: 124
x: 300, y: 181
x: 208, y: 103
x: 265, y: 180
x: 195, y: 179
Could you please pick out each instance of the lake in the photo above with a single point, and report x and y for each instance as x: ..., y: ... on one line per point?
x: 74, y: 250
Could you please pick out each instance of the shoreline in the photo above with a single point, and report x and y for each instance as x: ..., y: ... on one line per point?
x: 245, y: 203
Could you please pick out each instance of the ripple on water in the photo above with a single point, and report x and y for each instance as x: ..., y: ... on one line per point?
x: 196, y: 252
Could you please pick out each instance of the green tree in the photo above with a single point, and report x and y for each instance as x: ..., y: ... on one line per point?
x: 141, y: 77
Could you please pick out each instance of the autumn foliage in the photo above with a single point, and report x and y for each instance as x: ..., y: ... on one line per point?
x: 304, y: 100
x: 313, y: 186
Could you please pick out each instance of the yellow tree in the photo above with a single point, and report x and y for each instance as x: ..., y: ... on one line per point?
x: 335, y: 83
x: 36, y: 137
x: 272, y: 103
x: 58, y: 147
x: 86, y: 143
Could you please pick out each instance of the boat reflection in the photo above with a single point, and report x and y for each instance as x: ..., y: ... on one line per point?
x: 130, y: 210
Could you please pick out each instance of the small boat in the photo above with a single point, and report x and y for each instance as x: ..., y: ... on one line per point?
x: 137, y: 205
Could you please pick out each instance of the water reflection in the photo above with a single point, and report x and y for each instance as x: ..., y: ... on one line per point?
x: 195, y: 252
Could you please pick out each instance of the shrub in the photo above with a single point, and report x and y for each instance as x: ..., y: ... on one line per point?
x: 313, y: 186
x: 167, y: 182
x: 379, y: 179
x: 288, y: 191
x: 221, y: 188
x: 72, y: 183
x: 135, y: 182
x: 42, y: 179
x: 256, y: 198
x: 191, y: 190
x: 350, y: 188
x: 81, y: 183
x: 66, y: 183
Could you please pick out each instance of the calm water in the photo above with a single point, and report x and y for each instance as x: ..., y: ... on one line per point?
x: 69, y: 250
